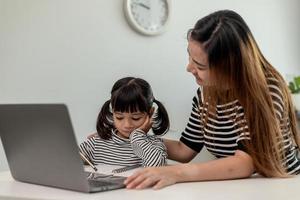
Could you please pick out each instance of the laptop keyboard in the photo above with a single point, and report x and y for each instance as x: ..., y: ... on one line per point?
x: 105, y: 181
x: 96, y: 176
x: 99, y: 183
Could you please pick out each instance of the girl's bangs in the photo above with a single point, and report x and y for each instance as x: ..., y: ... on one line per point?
x: 129, y: 102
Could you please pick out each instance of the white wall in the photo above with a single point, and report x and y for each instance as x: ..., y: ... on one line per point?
x: 72, y: 51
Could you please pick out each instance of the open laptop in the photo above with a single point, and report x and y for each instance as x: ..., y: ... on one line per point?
x: 41, y: 148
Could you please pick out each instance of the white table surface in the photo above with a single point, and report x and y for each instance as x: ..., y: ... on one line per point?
x: 255, y: 188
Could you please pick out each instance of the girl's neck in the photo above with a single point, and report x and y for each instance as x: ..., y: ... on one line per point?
x: 120, y: 135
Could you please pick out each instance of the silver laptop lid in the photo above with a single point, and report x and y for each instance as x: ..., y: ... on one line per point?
x: 40, y: 145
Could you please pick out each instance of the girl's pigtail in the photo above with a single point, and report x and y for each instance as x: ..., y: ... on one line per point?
x: 105, y: 122
x: 161, y: 123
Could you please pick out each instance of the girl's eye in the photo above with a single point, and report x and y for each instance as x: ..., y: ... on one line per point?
x: 119, y: 118
x: 136, y: 119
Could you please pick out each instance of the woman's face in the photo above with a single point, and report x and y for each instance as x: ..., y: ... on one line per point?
x: 198, y: 63
x: 126, y: 123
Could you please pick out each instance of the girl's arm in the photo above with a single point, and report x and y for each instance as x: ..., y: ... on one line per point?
x: 149, y: 148
x: 233, y: 167
x: 86, y: 149
x: 178, y: 151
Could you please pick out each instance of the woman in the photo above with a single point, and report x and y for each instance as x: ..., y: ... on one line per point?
x: 242, y: 112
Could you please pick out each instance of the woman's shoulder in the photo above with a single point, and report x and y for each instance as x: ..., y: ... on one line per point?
x: 199, y: 90
x: 272, y: 80
x: 275, y: 86
x: 198, y: 96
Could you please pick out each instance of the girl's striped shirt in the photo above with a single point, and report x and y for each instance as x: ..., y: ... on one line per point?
x: 139, y: 148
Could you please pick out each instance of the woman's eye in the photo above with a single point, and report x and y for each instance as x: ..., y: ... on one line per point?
x: 201, y: 69
x: 119, y: 118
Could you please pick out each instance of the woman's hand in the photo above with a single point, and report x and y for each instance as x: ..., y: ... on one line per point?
x: 156, y: 177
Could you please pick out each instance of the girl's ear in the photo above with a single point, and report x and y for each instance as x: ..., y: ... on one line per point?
x: 151, y: 112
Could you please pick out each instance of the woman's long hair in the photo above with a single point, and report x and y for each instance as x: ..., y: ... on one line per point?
x: 131, y: 94
x: 238, y: 70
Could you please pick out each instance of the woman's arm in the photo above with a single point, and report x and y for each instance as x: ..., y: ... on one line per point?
x: 238, y: 166
x: 233, y: 167
x: 178, y: 151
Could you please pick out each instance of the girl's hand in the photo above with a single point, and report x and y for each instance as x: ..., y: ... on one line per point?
x: 146, y: 126
x: 155, y: 177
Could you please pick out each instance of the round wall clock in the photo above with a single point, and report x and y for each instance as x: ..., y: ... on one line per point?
x: 149, y: 17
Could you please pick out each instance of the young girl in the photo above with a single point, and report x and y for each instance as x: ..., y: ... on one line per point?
x: 122, y: 127
x: 242, y: 112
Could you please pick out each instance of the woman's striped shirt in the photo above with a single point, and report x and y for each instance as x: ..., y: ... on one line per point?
x: 139, y: 148
x: 225, y: 130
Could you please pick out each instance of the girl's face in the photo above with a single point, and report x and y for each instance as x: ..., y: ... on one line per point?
x: 126, y: 123
x: 198, y: 63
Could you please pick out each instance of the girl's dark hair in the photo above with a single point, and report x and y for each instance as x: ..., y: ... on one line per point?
x: 131, y: 94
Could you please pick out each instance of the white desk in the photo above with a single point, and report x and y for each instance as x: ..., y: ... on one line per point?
x: 252, y: 189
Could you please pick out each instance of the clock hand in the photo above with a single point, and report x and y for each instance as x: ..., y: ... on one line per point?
x: 143, y: 5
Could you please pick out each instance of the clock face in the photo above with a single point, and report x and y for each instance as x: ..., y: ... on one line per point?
x: 148, y: 17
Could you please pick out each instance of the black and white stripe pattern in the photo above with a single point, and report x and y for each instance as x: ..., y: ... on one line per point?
x: 226, y: 129
x: 147, y: 150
